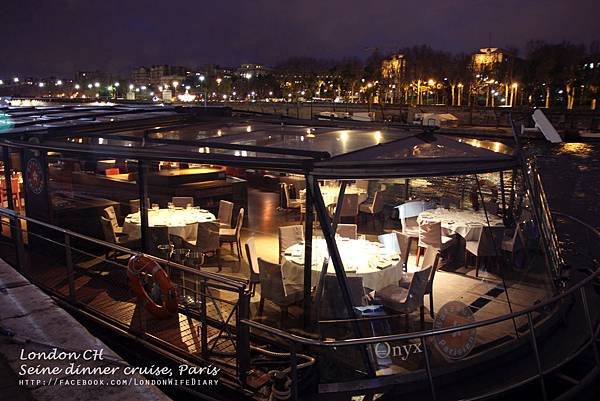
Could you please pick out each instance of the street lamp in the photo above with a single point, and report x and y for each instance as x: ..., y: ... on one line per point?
x: 460, y: 88
x: 513, y: 93
x: 96, y: 84
x: 202, y: 78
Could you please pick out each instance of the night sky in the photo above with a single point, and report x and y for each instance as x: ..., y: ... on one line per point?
x: 46, y: 37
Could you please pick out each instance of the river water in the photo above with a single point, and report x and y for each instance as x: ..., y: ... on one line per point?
x: 571, y: 177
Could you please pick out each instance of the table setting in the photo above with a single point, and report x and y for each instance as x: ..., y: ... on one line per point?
x: 180, y: 221
x: 377, y: 265
x: 459, y: 221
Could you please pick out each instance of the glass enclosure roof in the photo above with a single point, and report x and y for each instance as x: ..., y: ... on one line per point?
x: 425, y: 146
x: 190, y: 133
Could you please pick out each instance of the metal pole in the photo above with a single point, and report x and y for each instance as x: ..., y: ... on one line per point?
x: 15, y: 229
x: 537, y: 356
x: 143, y: 193
x: 243, y: 335
x: 69, y: 257
x: 503, y: 195
x: 308, y: 234
x: 428, y: 368
x: 7, y: 177
x: 21, y: 256
x: 338, y: 206
x: 590, y: 325
x: 294, y: 370
x: 203, y: 318
x: 336, y: 218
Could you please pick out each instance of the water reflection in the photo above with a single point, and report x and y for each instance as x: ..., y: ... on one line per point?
x: 574, y: 148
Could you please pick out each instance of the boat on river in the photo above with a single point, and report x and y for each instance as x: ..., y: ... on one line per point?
x: 305, y: 261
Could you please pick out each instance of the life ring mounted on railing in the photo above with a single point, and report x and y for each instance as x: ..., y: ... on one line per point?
x: 161, y: 297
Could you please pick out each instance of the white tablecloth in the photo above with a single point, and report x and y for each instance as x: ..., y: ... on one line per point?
x: 331, y: 192
x: 178, y: 220
x: 360, y: 257
x: 462, y: 222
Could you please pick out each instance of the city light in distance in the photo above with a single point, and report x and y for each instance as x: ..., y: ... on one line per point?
x: 96, y: 84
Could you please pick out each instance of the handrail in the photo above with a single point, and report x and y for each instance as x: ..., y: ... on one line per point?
x: 428, y: 333
x: 236, y: 283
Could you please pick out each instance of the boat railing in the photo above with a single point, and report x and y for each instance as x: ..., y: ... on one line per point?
x: 577, y: 294
x: 214, y: 304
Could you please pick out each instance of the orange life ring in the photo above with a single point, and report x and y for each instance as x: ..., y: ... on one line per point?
x: 168, y: 298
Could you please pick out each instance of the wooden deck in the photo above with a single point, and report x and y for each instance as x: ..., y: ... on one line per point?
x: 102, y: 286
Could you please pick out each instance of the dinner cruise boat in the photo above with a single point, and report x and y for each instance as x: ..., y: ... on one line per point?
x: 304, y: 261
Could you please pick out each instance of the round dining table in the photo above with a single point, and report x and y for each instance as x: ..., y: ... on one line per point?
x: 460, y: 221
x: 377, y: 265
x: 180, y: 221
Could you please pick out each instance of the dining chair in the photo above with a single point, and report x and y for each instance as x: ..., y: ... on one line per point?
x: 408, y: 213
x: 109, y: 213
x: 430, y: 259
x: 181, y: 251
x: 273, y: 289
x: 331, y: 305
x: 404, y: 242
x: 225, y: 213
x: 288, y: 236
x: 487, y: 243
x: 289, y: 202
x: 350, y: 207
x: 232, y: 235
x: 208, y: 241
x: 430, y: 236
x: 399, y: 243
x: 390, y: 241
x: 252, y: 257
x: 347, y: 231
x: 374, y: 209
x: 512, y: 240
x: 406, y: 301
x: 182, y: 201
x: 160, y: 245
x: 113, y: 238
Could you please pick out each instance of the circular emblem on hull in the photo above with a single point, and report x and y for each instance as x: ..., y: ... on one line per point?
x: 34, y: 176
x: 458, y: 344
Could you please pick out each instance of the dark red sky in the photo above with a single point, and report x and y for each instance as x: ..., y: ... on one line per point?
x: 43, y: 37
